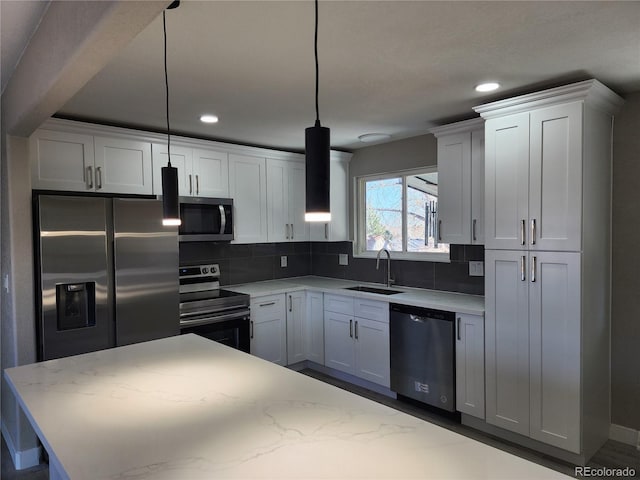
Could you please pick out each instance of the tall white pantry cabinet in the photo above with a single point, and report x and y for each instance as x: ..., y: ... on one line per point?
x: 547, y: 283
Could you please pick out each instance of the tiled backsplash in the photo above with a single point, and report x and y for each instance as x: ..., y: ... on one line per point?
x: 261, y: 261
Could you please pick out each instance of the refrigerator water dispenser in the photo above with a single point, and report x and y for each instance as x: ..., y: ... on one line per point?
x: 76, y: 304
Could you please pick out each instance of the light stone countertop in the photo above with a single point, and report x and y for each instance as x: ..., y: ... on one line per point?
x: 187, y: 408
x: 450, y: 301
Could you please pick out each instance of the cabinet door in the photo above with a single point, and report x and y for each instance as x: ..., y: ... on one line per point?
x: 506, y: 181
x: 454, y: 188
x: 269, y: 328
x: 554, y: 318
x: 337, y: 229
x: 61, y: 161
x: 314, y: 331
x: 372, y: 351
x: 477, y: 187
x: 296, y: 202
x: 339, y: 352
x: 210, y: 173
x: 248, y: 188
x: 507, y: 340
x: 278, y: 229
x: 123, y: 166
x: 296, y: 326
x: 470, y: 364
x: 555, y: 199
x: 181, y: 158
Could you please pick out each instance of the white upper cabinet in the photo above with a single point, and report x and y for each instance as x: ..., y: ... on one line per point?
x: 61, y: 161
x: 211, y: 172
x: 338, y: 228
x: 461, y: 182
x: 201, y: 172
x: 248, y: 188
x: 84, y: 163
x: 286, y: 201
x: 122, y: 166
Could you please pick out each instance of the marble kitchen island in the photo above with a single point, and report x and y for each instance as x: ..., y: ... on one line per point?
x: 186, y: 408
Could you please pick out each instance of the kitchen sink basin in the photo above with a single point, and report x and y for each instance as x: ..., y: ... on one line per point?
x: 381, y: 291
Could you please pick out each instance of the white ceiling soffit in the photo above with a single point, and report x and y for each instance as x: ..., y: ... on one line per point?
x: 18, y: 21
x: 385, y: 66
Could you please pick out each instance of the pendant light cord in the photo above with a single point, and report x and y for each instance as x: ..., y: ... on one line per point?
x: 315, y: 47
x: 166, y: 85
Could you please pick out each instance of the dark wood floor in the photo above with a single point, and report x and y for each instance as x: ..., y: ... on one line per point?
x: 611, y: 455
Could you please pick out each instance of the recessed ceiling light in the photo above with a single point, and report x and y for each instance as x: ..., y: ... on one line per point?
x: 487, y: 87
x: 208, y: 118
x: 373, y: 137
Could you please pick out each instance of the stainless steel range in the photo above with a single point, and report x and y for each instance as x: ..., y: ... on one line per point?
x: 206, y: 310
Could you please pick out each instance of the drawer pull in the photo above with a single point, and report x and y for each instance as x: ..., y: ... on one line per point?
x: 266, y: 304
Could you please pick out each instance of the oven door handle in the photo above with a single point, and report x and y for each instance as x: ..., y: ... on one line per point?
x: 208, y: 312
x: 215, y: 319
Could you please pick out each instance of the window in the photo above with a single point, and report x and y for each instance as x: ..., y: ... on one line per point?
x: 399, y: 212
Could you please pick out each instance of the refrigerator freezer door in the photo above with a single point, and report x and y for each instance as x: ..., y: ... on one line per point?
x: 146, y: 272
x: 76, y: 308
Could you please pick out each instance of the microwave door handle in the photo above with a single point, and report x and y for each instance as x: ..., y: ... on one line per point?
x: 223, y: 219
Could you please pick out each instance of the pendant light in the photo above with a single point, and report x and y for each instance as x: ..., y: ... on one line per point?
x: 170, y: 201
x: 316, y: 147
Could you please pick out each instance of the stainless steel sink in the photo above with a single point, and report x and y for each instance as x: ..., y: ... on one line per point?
x: 381, y: 291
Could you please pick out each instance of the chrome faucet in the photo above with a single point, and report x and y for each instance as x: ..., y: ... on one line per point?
x: 389, y: 279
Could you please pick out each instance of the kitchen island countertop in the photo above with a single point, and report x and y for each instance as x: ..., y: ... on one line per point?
x: 188, y: 408
x: 418, y: 297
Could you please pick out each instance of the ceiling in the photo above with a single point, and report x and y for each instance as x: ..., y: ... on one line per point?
x: 385, y: 66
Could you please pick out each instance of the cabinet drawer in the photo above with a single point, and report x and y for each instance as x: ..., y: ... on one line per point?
x: 372, y: 310
x: 338, y: 304
x: 267, y: 308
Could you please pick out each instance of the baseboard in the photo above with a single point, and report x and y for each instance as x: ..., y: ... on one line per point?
x: 625, y: 435
x: 21, y: 458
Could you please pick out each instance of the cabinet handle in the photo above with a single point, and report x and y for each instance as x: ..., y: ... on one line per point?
x: 522, y: 231
x: 98, y: 178
x: 197, y: 184
x: 356, y: 329
x: 266, y: 304
x: 251, y: 324
x: 459, y: 338
x: 351, y: 328
x: 89, y: 177
x: 523, y: 271
x: 533, y: 231
x: 286, y: 229
x: 292, y: 234
x: 474, y: 229
x: 533, y: 269
x: 439, y: 230
x: 290, y: 304
x: 190, y: 186
x: 326, y: 231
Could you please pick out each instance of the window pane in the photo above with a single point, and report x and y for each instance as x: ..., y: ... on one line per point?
x: 383, y: 202
x: 422, y: 209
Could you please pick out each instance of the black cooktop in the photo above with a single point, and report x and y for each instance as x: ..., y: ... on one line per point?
x: 210, y: 295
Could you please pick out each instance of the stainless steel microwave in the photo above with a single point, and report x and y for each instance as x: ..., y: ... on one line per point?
x: 206, y: 219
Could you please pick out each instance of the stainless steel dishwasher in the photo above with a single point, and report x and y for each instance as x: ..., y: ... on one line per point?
x: 423, y: 354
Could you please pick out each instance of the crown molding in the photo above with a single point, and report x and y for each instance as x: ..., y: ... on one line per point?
x: 458, y: 127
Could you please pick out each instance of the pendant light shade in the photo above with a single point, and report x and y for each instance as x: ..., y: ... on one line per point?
x: 170, y: 205
x: 317, y: 146
x: 170, y: 200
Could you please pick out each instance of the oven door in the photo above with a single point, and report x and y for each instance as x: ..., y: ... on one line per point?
x: 231, y: 329
x: 206, y: 219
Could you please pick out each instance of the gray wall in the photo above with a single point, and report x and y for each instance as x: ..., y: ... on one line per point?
x: 625, y: 324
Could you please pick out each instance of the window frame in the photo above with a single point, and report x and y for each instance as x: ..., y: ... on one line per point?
x: 359, y: 245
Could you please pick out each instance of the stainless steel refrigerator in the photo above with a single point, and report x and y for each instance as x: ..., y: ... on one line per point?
x: 107, y: 271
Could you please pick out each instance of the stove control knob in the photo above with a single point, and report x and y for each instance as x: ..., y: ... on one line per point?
x: 205, y: 270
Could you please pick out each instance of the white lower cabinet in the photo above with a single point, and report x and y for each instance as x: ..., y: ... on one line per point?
x: 314, y: 333
x: 470, y: 364
x: 533, y: 345
x: 268, y: 328
x: 296, y: 327
x: 354, y: 344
